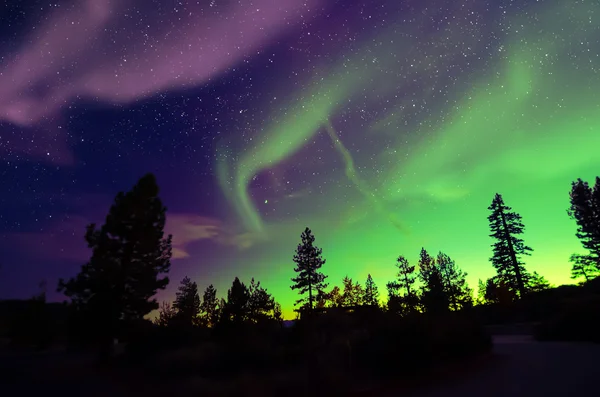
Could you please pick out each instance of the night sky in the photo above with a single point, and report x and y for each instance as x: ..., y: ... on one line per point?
x: 384, y: 126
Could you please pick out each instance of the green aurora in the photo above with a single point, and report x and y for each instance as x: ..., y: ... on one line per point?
x: 525, y: 125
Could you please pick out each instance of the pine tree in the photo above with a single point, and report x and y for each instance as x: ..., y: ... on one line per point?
x: 434, y: 298
x: 358, y: 294
x: 222, y: 310
x: 394, y: 302
x: 371, y: 293
x: 406, y: 275
x: 537, y: 282
x: 347, y: 291
x: 491, y: 291
x: 352, y: 294
x: 209, y: 309
x: 334, y: 297
x: 278, y: 313
x: 260, y: 303
x: 585, y: 210
x: 321, y: 300
x: 237, y: 305
x: 584, y: 266
x: 455, y: 283
x: 402, y: 297
x: 505, y: 226
x: 166, y: 314
x: 426, y: 266
x: 129, y: 254
x: 497, y: 291
x: 308, y: 259
x: 187, y: 303
x: 481, y: 286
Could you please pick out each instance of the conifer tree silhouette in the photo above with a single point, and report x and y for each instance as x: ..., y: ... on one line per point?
x: 371, y: 293
x: 585, y: 210
x: 236, y: 307
x: 310, y: 280
x: 209, y: 308
x: 129, y: 255
x: 455, y: 283
x: 402, y: 296
x: 506, y: 225
x: 187, y: 303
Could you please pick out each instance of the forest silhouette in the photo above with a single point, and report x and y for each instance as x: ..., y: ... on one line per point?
x: 346, y: 337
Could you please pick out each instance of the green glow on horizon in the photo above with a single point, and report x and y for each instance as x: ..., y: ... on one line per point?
x: 526, y: 128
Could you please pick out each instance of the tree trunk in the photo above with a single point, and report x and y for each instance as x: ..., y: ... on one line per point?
x: 310, y: 298
x: 513, y: 256
x: 451, y: 292
x: 585, y: 275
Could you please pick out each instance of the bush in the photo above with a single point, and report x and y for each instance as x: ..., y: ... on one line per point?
x: 145, y: 339
x: 201, y: 352
x: 338, y: 350
x: 407, y: 345
x: 578, y: 320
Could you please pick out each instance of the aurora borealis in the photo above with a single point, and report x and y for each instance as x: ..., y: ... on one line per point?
x: 384, y: 126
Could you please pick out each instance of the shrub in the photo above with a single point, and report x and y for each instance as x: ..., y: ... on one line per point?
x: 578, y: 320
x: 406, y: 345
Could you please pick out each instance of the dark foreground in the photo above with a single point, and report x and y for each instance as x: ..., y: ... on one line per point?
x: 518, y: 366
x: 523, y: 367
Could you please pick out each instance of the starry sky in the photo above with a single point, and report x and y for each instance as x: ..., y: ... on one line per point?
x: 384, y: 125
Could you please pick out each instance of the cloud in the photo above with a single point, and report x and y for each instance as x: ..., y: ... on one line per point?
x: 93, y: 50
x: 63, y: 239
x: 189, y: 228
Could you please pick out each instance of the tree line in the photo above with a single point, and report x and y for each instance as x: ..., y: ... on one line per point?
x: 131, y: 259
x: 243, y: 303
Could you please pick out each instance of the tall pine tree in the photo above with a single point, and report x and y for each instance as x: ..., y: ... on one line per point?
x: 506, y: 226
x: 481, y: 286
x: 352, y: 294
x: 358, y: 294
x: 260, y: 303
x: 406, y: 275
x: 371, y: 293
x: 434, y: 297
x: 129, y: 254
x: 585, y: 210
x: 236, y: 308
x: 584, y: 266
x: 455, y: 283
x: 309, y: 281
x: 426, y: 266
x: 166, y: 314
x: 402, y: 297
x: 209, y: 309
x: 334, y: 298
x: 187, y: 303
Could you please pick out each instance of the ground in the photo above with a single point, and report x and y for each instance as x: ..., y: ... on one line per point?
x: 521, y: 367
x: 518, y: 367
